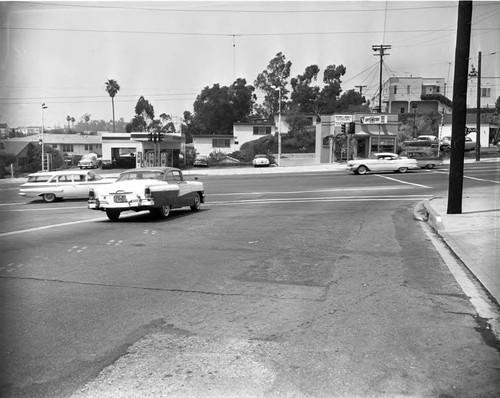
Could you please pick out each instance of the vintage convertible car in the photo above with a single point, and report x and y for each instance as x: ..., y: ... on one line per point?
x: 383, y: 161
x: 157, y: 189
x: 69, y: 184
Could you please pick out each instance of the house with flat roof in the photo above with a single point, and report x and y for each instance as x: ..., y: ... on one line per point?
x: 413, y: 94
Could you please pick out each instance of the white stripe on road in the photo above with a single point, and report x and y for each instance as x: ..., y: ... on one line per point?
x: 22, y: 231
x: 314, y: 191
x: 472, y: 178
x: 325, y: 199
x: 402, y: 182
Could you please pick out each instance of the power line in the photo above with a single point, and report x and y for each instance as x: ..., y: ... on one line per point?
x: 339, y: 32
x: 263, y: 11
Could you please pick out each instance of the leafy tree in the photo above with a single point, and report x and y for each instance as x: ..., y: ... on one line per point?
x: 216, y: 108
x: 304, y: 96
x: 301, y: 134
x: 167, y: 125
x: 112, y: 87
x: 497, y: 105
x: 270, y: 80
x: 6, y: 159
x: 144, y: 116
x: 351, y: 101
x: 188, y: 126
x: 331, y: 91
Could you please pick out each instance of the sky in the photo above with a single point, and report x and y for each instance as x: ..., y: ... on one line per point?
x: 62, y: 53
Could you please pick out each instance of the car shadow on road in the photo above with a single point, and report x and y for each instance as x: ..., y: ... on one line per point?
x: 145, y: 216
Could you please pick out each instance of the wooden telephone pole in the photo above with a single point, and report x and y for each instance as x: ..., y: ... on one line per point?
x: 455, y: 181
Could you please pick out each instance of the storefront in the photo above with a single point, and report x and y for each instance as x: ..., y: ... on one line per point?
x: 372, y: 133
x: 124, y: 148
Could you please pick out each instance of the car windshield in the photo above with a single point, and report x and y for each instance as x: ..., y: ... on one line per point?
x: 260, y: 156
x: 141, y: 175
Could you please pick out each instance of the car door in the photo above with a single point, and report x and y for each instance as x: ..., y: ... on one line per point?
x: 76, y: 186
x: 185, y: 191
x: 380, y: 164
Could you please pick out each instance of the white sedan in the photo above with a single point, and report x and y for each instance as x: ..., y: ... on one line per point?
x: 383, y: 161
x: 261, y: 161
x: 157, y: 189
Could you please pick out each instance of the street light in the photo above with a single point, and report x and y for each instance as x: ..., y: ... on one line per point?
x: 279, y: 125
x: 43, y: 153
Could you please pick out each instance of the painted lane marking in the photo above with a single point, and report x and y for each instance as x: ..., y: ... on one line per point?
x: 311, y: 191
x: 325, y: 199
x: 50, y: 208
x: 22, y: 231
x: 402, y: 182
x: 472, y: 178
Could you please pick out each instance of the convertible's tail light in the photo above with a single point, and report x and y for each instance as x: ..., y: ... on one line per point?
x: 91, y: 194
x: 147, y: 193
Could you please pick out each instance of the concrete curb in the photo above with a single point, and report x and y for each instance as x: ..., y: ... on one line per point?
x: 433, y: 217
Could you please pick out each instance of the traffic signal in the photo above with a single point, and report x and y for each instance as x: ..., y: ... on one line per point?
x: 342, y: 128
x: 150, y: 137
x: 160, y: 137
x: 352, y: 128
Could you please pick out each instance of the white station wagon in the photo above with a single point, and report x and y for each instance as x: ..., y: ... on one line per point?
x: 382, y: 161
x: 157, y: 189
x: 63, y: 184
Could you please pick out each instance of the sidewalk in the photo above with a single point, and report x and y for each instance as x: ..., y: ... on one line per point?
x: 473, y: 235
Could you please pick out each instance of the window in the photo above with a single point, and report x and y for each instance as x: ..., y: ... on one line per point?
x: 408, y: 91
x: 261, y: 130
x: 402, y: 109
x: 67, y: 147
x: 89, y: 147
x: 486, y: 92
x: 395, y: 89
x: 221, y: 143
x: 54, y: 146
x: 437, y: 89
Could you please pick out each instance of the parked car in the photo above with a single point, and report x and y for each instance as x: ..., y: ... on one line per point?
x: 200, y: 161
x: 425, y: 160
x: 427, y: 138
x: 63, y: 184
x: 261, y: 161
x: 468, y: 146
x: 157, y: 189
x: 107, y: 164
x: 383, y: 161
x: 90, y: 161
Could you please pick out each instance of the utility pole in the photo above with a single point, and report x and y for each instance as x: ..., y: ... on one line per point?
x: 478, y: 112
x: 360, y: 89
x: 456, y: 177
x: 381, y: 52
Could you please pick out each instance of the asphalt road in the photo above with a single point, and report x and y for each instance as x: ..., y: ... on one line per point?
x: 314, y: 284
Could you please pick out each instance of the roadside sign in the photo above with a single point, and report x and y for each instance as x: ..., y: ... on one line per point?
x: 341, y: 119
x: 375, y: 119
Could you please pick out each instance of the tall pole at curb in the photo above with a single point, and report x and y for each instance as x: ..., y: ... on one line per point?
x: 43, y: 151
x: 478, y: 112
x: 455, y: 181
x: 381, y: 52
x: 279, y: 125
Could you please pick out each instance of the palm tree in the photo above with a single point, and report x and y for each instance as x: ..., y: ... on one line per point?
x: 73, y: 122
x: 86, y: 117
x: 68, y: 119
x: 112, y: 87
